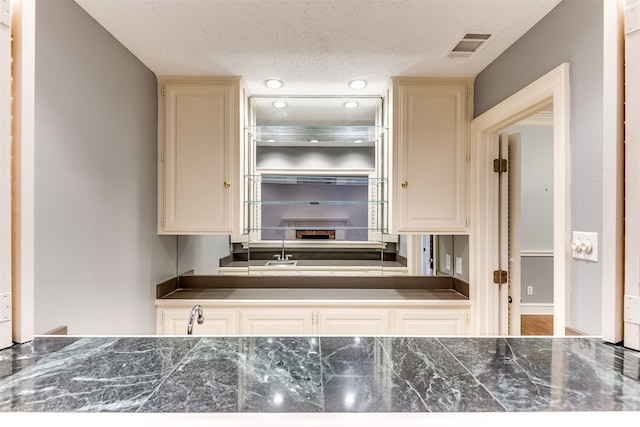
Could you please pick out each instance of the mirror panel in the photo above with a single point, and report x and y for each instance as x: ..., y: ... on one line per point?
x: 415, y: 255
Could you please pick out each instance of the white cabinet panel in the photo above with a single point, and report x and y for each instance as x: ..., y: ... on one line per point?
x: 173, y: 321
x: 276, y: 321
x: 353, y: 322
x: 430, y: 156
x: 431, y: 322
x: 199, y: 143
x: 336, y: 318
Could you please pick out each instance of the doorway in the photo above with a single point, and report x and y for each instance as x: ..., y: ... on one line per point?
x: 490, y: 314
x: 526, y: 217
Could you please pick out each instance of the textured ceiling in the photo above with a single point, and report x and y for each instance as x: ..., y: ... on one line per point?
x: 315, y: 47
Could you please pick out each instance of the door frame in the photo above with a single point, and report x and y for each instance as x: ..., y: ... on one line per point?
x: 552, y: 88
x: 5, y: 185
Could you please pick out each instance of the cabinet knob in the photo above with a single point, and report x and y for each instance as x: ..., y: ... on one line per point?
x: 405, y: 184
x: 227, y: 184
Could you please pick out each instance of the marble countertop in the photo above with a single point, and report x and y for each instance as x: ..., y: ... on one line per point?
x: 317, y: 375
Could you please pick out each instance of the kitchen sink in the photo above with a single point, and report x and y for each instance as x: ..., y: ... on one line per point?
x: 282, y: 263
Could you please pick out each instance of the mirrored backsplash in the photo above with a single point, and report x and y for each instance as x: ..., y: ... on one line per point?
x: 414, y: 255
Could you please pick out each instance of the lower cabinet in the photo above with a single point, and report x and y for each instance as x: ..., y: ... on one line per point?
x: 354, y: 322
x: 276, y: 322
x: 431, y: 322
x: 172, y: 319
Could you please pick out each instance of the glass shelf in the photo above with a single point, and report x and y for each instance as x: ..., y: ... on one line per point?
x: 314, y: 179
x: 317, y: 228
x: 320, y: 134
x: 315, y: 202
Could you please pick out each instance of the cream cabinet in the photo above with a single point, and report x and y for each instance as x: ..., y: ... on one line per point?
x: 200, y: 134
x: 173, y: 321
x: 309, y: 317
x: 276, y: 321
x: 354, y: 322
x: 444, y: 321
x: 430, y: 151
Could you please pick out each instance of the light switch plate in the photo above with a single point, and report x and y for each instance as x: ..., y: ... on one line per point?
x: 458, y: 265
x: 632, y: 309
x: 584, y: 246
x: 631, y: 19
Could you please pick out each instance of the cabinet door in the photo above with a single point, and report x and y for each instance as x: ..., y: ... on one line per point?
x: 173, y: 321
x: 198, y: 160
x: 430, y: 157
x: 353, y: 322
x: 276, y: 321
x: 431, y: 321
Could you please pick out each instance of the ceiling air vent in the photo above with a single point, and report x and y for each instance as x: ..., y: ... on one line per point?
x: 468, y: 45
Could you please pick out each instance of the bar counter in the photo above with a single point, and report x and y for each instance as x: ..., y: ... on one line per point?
x: 402, y: 380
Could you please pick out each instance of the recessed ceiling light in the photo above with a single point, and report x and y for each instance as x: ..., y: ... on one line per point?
x: 314, y: 141
x: 273, y: 83
x: 358, y: 141
x: 350, y: 104
x: 279, y: 104
x: 357, y: 84
x: 271, y: 140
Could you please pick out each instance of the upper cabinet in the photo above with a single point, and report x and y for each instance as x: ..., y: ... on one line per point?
x: 226, y: 162
x: 200, y: 140
x: 429, y: 120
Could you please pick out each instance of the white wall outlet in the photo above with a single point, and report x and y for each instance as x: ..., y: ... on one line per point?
x: 5, y: 307
x: 447, y: 262
x: 458, y: 265
x: 529, y: 290
x: 584, y: 246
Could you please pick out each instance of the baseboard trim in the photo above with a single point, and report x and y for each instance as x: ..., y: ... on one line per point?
x: 60, y: 330
x: 536, y: 308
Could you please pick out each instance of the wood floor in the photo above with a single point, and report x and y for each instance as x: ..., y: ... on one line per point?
x: 536, y: 324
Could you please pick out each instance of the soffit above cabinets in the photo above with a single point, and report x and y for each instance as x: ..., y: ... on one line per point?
x: 315, y: 47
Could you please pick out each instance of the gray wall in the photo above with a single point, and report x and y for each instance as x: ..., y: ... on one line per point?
x: 573, y: 33
x: 97, y: 255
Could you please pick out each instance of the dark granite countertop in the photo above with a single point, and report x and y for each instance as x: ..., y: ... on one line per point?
x: 318, y: 375
x: 333, y: 288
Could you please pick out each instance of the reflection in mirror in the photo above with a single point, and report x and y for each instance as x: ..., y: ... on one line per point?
x: 425, y: 255
x: 314, y: 208
x: 453, y: 256
x: 202, y: 255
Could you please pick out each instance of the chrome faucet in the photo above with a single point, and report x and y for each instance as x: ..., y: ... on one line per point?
x: 196, y: 309
x: 282, y: 257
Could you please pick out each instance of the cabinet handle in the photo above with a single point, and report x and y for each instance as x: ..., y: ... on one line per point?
x: 404, y: 184
x: 227, y: 184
